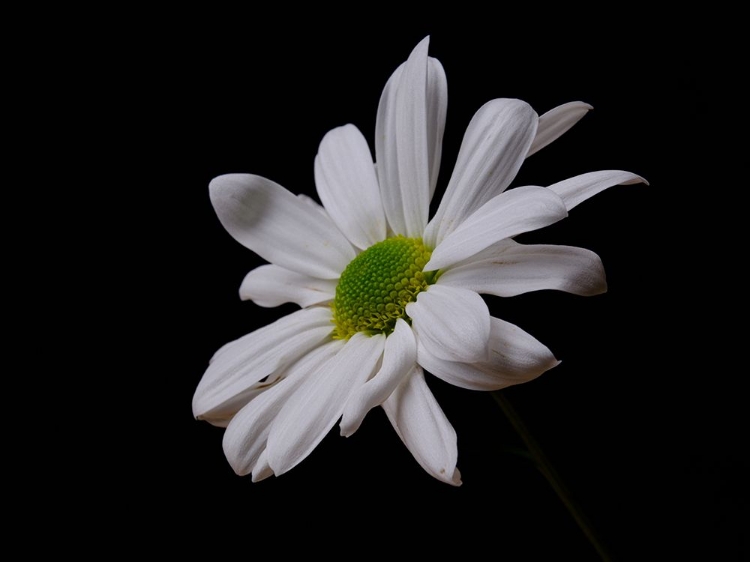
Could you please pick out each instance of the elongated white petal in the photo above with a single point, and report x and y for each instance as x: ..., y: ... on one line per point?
x: 577, y: 189
x: 437, y: 108
x: 515, y: 357
x: 239, y: 365
x: 408, y: 132
x: 516, y: 269
x: 452, y: 323
x: 422, y: 426
x: 399, y: 358
x: 272, y: 285
x: 246, y: 435
x: 515, y: 211
x: 493, y: 149
x: 313, y: 410
x: 556, y: 122
x: 386, y: 154
x: 347, y: 186
x: 279, y: 227
x: 411, y: 140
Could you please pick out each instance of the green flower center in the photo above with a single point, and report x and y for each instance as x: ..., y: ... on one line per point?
x: 376, y: 286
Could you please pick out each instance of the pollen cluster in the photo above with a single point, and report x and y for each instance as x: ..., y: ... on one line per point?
x: 376, y: 286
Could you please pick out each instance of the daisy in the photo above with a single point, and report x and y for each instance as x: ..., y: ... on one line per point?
x: 388, y: 294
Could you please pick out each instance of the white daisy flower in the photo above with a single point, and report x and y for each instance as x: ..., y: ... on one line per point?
x: 388, y: 294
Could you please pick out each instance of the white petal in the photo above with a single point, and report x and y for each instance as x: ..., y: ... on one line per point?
x: 245, y: 437
x: 515, y: 357
x: 223, y: 416
x: 347, y: 186
x: 386, y: 154
x: 399, y: 358
x: 279, y: 227
x: 272, y: 285
x: 493, y: 149
x: 515, y: 211
x: 579, y: 188
x: 262, y: 470
x: 437, y: 108
x: 514, y: 269
x: 313, y: 205
x: 409, y: 124
x: 422, y: 426
x: 236, y: 367
x: 454, y: 324
x: 312, y: 411
x: 556, y: 122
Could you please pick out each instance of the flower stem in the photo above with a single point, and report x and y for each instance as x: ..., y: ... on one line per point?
x: 551, y: 475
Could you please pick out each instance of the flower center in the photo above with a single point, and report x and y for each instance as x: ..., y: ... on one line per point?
x: 376, y: 286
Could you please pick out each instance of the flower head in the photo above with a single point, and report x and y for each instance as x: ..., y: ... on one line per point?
x: 388, y: 294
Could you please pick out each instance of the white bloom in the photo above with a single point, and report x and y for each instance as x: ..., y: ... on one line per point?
x: 386, y: 293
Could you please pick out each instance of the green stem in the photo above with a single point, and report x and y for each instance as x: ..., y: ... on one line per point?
x: 551, y: 475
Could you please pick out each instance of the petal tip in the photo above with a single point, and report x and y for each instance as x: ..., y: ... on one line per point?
x: 199, y: 408
x: 347, y: 428
x: 225, y: 180
x: 636, y: 179
x: 455, y: 479
x: 259, y: 474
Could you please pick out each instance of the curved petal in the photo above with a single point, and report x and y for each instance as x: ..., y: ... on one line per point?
x: 237, y: 366
x: 437, y: 108
x: 246, y: 435
x: 493, y: 149
x: 272, y: 285
x: 577, y: 189
x: 556, y: 122
x: 515, y: 357
x: 408, y: 139
x: 386, y: 154
x: 515, y: 211
x: 347, y: 186
x: 422, y: 426
x: 454, y: 324
x: 399, y: 358
x: 312, y: 411
x: 514, y: 269
x: 279, y: 227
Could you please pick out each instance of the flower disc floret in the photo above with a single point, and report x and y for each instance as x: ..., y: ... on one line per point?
x: 376, y: 286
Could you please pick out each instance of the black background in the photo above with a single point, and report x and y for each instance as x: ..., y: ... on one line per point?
x: 643, y: 417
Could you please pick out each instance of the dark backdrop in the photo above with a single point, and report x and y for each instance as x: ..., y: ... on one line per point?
x: 641, y: 419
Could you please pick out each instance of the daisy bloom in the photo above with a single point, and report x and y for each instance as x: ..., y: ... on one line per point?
x: 388, y: 294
